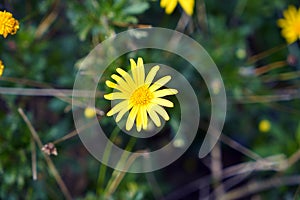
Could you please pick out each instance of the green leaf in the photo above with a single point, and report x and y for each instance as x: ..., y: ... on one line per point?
x: 137, y: 8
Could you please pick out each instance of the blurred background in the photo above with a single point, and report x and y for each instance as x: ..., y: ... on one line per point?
x: 41, y: 157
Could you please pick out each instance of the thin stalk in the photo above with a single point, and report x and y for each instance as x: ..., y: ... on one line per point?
x: 102, y: 170
x: 117, y: 175
x: 269, y: 67
x: 33, y: 158
x: 73, y: 133
x: 282, y: 76
x: 50, y: 163
x: 47, y: 22
x: 258, y: 186
x: 266, y: 53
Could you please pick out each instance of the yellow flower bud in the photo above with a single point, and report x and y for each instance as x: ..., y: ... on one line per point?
x: 89, y: 112
x: 264, y: 126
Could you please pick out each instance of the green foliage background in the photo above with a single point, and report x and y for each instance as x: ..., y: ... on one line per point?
x: 233, y: 33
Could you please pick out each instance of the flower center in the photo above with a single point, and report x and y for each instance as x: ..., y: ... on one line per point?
x: 141, y: 96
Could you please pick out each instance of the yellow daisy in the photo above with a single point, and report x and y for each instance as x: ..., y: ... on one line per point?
x: 8, y: 24
x: 290, y: 24
x: 1, y: 68
x: 169, y: 5
x: 140, y: 97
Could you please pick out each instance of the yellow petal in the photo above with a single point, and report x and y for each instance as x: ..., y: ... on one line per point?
x: 161, y: 111
x: 289, y: 35
x: 126, y: 76
x: 151, y: 74
x: 118, y: 87
x: 169, y: 5
x: 123, y: 111
x: 116, y: 95
x: 165, y: 92
x: 188, y: 6
x: 118, y: 107
x: 132, y: 64
x: 121, y: 83
x: 139, y: 121
x: 290, y: 13
x: 131, y: 118
x: 163, y: 3
x: 162, y: 102
x: 140, y: 62
x: 153, y: 115
x: 134, y: 71
x: 281, y: 23
x: 110, y: 84
x: 144, y: 116
x: 158, y: 84
x: 140, y: 72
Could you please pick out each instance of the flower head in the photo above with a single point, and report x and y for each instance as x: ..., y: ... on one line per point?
x: 169, y: 5
x: 8, y: 24
x: 290, y: 24
x: 139, y: 96
x: 1, y: 68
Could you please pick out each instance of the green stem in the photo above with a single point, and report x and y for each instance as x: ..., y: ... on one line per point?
x: 102, y: 170
x: 117, y: 175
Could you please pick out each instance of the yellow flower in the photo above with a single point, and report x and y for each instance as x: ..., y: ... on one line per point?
x: 264, y: 126
x: 1, y: 68
x: 169, y: 5
x: 8, y: 24
x: 290, y: 24
x: 89, y: 112
x: 140, y: 97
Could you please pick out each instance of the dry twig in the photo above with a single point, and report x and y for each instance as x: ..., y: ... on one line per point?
x: 50, y: 163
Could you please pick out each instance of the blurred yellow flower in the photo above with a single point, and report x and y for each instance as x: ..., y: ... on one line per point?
x: 89, y: 112
x: 264, y: 126
x: 1, y: 68
x: 139, y: 96
x: 169, y: 5
x: 8, y: 24
x: 290, y: 24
